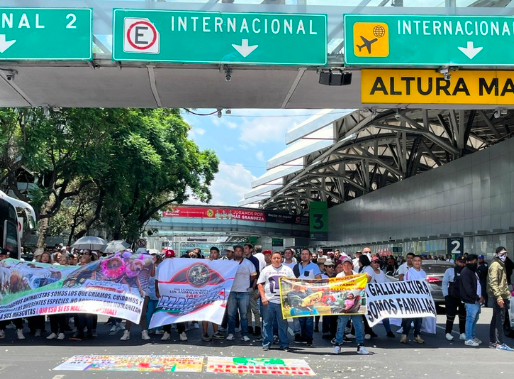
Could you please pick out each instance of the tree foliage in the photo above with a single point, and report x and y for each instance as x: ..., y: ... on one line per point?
x: 114, y: 168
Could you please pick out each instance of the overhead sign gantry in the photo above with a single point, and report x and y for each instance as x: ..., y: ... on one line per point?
x: 219, y: 37
x: 406, y: 40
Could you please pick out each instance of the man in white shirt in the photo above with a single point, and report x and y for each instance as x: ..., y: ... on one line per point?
x: 268, y: 284
x: 239, y: 298
x: 305, y: 270
x: 413, y: 273
x: 289, y: 260
x: 405, y: 266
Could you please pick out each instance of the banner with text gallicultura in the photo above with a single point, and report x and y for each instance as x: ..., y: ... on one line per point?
x: 114, y: 286
x: 409, y: 299
x: 193, y: 290
x: 323, y: 297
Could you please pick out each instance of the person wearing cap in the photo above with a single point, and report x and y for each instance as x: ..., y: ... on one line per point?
x: 452, y: 300
x: 289, y: 259
x: 482, y: 269
x: 380, y: 277
x: 267, y: 257
x: 329, y: 323
x: 342, y: 321
x: 498, y: 290
x: 229, y: 253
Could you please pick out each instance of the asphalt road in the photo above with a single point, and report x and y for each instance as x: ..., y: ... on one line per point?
x: 437, y: 358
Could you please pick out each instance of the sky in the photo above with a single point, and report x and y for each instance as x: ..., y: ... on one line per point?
x: 243, y: 141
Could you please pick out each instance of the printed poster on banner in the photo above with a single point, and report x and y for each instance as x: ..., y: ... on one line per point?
x: 334, y: 296
x: 266, y: 366
x: 409, y: 299
x: 140, y: 363
x: 193, y: 290
x: 114, y: 287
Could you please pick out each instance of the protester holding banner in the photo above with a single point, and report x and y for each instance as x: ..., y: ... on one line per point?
x: 452, y: 301
x: 413, y: 273
x: 181, y: 327
x: 329, y: 323
x: 152, y: 296
x: 356, y: 319
x: 239, y: 298
x: 253, y: 306
x: 58, y: 322
x: 304, y: 327
x: 380, y: 277
x: 405, y: 266
x: 18, y: 322
x: 268, y: 284
x: 213, y: 256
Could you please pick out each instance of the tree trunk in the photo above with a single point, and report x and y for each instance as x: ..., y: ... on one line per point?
x: 42, y: 227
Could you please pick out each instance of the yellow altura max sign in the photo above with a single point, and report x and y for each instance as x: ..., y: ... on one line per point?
x: 430, y: 87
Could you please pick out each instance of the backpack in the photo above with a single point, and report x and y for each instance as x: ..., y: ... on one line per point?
x: 454, y: 287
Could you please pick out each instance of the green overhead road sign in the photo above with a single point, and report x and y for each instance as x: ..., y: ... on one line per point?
x: 213, y: 37
x: 46, y: 34
x: 401, y: 40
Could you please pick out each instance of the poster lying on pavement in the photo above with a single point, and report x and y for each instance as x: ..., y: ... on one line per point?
x: 411, y: 299
x: 113, y: 287
x: 263, y: 366
x: 140, y: 363
x: 193, y: 290
x: 334, y: 296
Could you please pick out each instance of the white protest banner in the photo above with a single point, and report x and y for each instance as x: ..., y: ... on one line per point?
x: 113, y: 287
x: 409, y: 299
x: 193, y: 290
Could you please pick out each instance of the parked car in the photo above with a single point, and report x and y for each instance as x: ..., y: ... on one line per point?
x: 435, y: 272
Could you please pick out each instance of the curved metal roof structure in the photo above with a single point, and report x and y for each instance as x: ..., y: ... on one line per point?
x: 371, y: 149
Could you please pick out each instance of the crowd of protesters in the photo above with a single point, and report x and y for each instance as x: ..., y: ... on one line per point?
x: 253, y: 307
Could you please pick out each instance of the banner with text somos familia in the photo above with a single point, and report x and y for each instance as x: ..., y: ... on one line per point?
x: 113, y: 287
x: 323, y: 297
x: 410, y: 299
x: 193, y: 290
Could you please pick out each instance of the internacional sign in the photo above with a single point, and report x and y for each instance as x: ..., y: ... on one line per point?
x: 46, y: 34
x: 398, y: 86
x: 215, y: 37
x: 421, y: 40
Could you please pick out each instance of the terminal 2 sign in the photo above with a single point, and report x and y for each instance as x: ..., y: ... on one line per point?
x: 430, y: 87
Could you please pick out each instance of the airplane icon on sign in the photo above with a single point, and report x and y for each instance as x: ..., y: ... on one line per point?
x: 367, y: 43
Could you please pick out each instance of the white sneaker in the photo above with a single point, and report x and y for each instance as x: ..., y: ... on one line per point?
x: 463, y: 337
x: 2, y: 334
x: 183, y: 336
x: 477, y: 341
x: 60, y: 336
x: 337, y: 349
x: 351, y: 336
x: 38, y: 333
x: 367, y: 336
x: 166, y: 336
x: 362, y: 350
x: 245, y: 338
x: 471, y: 343
x: 238, y: 330
x: 52, y: 336
x: 449, y: 337
x: 144, y: 335
x: 230, y: 337
x: 400, y: 331
x: 113, y: 330
x: 19, y: 333
x: 125, y: 336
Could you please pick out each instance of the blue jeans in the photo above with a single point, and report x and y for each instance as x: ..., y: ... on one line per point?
x: 241, y: 301
x: 472, y: 314
x: 387, y: 325
x: 357, y: 324
x: 272, y: 314
x: 307, y: 326
x: 406, y: 325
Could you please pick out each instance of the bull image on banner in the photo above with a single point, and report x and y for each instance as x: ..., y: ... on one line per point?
x: 115, y: 287
x: 193, y: 290
x: 334, y: 296
x: 409, y: 299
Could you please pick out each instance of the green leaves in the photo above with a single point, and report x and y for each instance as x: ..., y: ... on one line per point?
x: 125, y: 164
